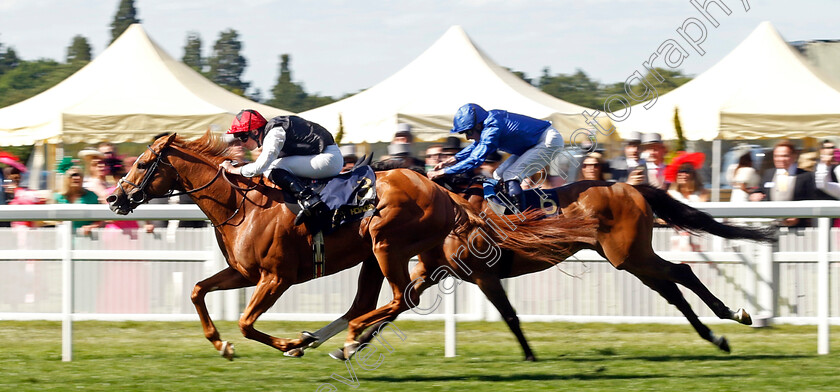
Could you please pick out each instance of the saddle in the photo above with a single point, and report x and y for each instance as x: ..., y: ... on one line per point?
x: 350, y: 197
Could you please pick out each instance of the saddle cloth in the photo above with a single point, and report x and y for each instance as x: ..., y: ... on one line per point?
x: 350, y: 196
x: 544, y: 199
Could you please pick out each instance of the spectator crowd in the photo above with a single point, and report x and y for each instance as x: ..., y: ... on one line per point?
x: 795, y: 175
x: 86, y: 179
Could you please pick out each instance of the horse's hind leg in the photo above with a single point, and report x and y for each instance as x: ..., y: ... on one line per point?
x: 367, y: 292
x: 419, y: 275
x: 225, y: 279
x: 682, y: 274
x: 395, y: 268
x: 493, y: 290
x: 672, y: 294
x: 386, y: 313
x: 651, y: 265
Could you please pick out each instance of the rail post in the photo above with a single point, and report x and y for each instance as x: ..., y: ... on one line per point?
x: 66, y: 240
x: 823, y: 229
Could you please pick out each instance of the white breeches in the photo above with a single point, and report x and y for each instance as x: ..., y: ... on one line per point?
x: 326, y: 164
x: 533, y: 160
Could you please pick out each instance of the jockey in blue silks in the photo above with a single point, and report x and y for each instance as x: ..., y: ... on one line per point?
x: 531, y: 142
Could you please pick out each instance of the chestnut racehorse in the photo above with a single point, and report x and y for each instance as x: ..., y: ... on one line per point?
x: 625, y: 214
x: 262, y: 246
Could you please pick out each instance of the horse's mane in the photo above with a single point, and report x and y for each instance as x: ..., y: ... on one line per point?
x: 210, y: 145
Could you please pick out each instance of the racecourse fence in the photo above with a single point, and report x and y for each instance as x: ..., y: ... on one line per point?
x: 54, y: 274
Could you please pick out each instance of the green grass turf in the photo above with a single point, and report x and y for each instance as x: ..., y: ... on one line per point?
x: 174, y: 356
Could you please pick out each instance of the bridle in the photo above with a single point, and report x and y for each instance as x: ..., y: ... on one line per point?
x: 149, y: 174
x: 152, y: 169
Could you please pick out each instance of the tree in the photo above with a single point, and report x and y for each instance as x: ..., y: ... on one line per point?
x: 290, y: 95
x: 79, y: 50
x: 678, y: 127
x: 227, y: 64
x: 30, y: 78
x: 314, y: 101
x: 126, y: 16
x: 577, y: 88
x: 255, y: 96
x: 340, y: 134
x: 8, y: 59
x: 673, y: 79
x: 287, y: 94
x: 192, y: 52
x: 521, y: 75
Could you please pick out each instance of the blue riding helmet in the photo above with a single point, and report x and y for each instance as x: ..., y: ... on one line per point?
x: 467, y: 117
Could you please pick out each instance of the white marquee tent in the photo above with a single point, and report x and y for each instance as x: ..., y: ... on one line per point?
x: 428, y: 91
x: 762, y: 89
x: 130, y: 92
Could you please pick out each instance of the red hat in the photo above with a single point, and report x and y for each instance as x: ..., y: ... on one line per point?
x: 696, y: 160
x: 247, y: 120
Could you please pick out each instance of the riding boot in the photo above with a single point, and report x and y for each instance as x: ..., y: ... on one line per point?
x: 514, y: 190
x: 311, y: 205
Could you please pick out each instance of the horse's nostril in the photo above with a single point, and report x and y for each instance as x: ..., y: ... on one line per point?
x: 111, y: 199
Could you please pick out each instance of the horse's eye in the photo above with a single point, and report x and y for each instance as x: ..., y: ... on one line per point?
x: 142, y: 165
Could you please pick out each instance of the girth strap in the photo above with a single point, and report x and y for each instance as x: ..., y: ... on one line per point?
x: 318, y: 254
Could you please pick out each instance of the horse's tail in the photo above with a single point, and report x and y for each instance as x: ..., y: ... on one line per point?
x: 690, y: 219
x: 535, y: 236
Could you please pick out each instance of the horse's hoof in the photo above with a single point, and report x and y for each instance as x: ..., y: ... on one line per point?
x: 338, y: 354
x: 722, y: 344
x: 350, y: 349
x: 309, y: 340
x: 531, y: 358
x: 294, y: 353
x: 742, y: 317
x: 227, y: 350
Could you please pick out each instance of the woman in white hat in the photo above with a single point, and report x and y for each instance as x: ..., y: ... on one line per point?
x: 96, y: 179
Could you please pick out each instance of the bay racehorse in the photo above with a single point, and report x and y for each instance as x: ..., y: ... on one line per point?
x: 263, y: 248
x: 625, y: 216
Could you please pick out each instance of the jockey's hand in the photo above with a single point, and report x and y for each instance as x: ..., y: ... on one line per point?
x: 435, y: 174
x: 228, y: 166
x: 448, y: 162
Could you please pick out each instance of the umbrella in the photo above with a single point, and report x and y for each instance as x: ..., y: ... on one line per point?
x: 696, y: 159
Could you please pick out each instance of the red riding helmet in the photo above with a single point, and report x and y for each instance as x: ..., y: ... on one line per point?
x: 247, y: 120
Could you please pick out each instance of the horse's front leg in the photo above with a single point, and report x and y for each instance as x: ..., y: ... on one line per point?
x: 225, y: 279
x: 268, y: 290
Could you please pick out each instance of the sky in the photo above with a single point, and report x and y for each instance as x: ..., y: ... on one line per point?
x: 343, y: 46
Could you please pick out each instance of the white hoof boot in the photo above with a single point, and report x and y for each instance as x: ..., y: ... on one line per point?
x: 310, y: 339
x: 227, y: 350
x: 742, y: 317
x: 350, y: 349
x: 294, y: 353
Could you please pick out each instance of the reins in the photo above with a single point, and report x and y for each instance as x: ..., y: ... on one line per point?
x: 238, y: 189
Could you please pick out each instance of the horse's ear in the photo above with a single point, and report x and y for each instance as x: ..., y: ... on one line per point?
x: 169, y: 139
